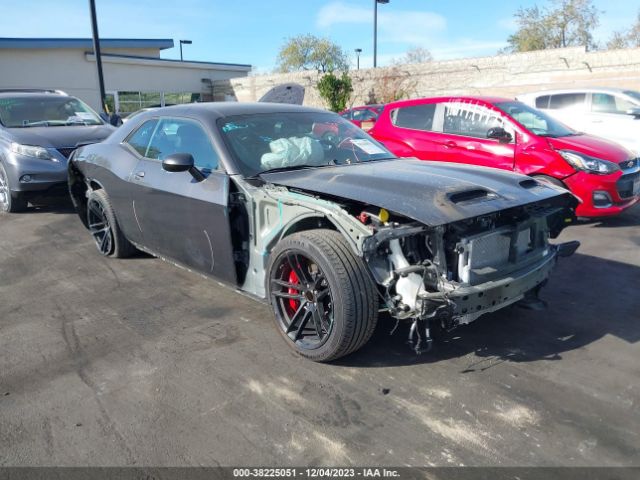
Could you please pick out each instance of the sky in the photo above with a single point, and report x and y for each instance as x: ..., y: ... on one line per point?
x: 252, y: 31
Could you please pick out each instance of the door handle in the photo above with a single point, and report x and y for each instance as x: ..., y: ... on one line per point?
x: 138, y: 175
x: 450, y: 144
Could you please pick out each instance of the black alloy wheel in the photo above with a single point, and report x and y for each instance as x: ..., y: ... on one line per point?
x: 302, y: 298
x: 103, y: 225
x: 99, y: 226
x: 324, y: 299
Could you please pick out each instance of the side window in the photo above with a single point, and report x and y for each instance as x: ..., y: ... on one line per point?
x: 567, y: 100
x: 417, y: 117
x: 139, y: 139
x: 470, y: 119
x: 605, y: 103
x: 364, y: 115
x: 346, y: 115
x: 174, y: 135
x: 543, y: 101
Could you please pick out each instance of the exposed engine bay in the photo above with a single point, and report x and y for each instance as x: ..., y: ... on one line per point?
x: 455, y: 273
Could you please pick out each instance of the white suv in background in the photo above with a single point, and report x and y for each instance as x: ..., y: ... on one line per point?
x: 610, y: 113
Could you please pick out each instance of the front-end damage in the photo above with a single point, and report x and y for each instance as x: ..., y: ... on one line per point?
x: 452, y: 274
x: 447, y: 274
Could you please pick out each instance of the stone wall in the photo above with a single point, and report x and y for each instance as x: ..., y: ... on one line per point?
x: 504, y: 75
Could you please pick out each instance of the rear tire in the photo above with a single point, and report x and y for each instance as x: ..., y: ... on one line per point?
x: 333, y: 310
x: 10, y: 202
x: 103, y: 225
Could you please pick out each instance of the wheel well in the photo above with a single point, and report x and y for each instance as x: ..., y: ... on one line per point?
x: 309, y: 223
x: 78, y: 189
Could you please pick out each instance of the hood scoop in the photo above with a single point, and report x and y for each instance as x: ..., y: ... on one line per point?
x: 472, y: 195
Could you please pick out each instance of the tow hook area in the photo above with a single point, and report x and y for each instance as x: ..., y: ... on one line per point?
x: 568, y: 248
x: 442, y: 313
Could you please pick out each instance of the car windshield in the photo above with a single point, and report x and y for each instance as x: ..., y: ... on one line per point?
x: 633, y: 94
x: 534, y: 120
x: 293, y: 140
x: 45, y: 111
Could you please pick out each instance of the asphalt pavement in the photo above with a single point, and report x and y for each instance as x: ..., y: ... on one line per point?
x: 137, y: 362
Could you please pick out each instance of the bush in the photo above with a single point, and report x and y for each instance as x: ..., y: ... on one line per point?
x: 335, y: 91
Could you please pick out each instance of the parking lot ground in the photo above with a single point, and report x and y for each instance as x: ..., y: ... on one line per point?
x: 137, y: 362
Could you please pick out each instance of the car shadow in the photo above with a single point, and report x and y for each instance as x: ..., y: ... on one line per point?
x: 588, y: 298
x: 58, y: 205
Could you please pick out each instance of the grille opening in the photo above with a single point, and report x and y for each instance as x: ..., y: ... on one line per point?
x: 470, y: 195
x: 66, y: 152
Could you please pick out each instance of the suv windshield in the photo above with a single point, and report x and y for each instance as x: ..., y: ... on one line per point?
x: 534, y: 120
x: 45, y: 111
x: 290, y: 140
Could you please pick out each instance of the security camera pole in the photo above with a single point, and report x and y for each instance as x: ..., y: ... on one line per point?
x: 96, y: 52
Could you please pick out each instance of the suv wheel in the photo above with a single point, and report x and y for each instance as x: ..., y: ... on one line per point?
x: 9, y: 202
x: 323, y: 297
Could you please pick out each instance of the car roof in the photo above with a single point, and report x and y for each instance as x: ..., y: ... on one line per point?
x: 464, y: 98
x: 575, y: 90
x: 215, y: 110
x: 35, y: 95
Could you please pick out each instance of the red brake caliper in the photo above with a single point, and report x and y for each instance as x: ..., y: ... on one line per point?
x: 293, y: 303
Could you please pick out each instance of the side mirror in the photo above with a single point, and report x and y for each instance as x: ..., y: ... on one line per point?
x: 182, y: 162
x: 115, y: 120
x: 635, y: 112
x: 500, y: 134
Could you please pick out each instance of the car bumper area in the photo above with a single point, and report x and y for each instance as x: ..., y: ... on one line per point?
x: 473, y: 301
x: 33, y: 175
x: 604, y: 195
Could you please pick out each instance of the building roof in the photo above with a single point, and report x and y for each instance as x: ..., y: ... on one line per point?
x: 85, y: 43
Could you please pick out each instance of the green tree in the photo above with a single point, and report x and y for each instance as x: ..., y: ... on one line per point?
x: 336, y: 91
x: 562, y: 23
x: 308, y: 52
x: 626, y: 39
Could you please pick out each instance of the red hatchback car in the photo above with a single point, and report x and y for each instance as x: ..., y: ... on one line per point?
x: 507, y: 134
x: 364, y: 117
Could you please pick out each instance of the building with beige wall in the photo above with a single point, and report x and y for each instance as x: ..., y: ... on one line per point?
x: 135, y: 75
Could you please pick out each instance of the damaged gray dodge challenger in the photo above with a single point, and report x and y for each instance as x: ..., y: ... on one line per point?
x: 301, y: 208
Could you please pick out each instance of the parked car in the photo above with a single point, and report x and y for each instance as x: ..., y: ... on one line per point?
x: 38, y: 131
x: 364, y: 116
x: 611, y: 113
x: 507, y: 134
x: 322, y: 230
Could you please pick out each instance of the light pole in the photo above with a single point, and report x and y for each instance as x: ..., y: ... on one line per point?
x: 184, y: 42
x: 358, y: 52
x: 96, y: 52
x: 375, y: 30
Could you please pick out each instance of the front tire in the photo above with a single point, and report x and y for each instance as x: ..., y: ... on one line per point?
x: 324, y: 299
x: 10, y: 202
x: 103, y: 225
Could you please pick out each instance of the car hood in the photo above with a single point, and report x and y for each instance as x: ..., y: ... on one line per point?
x: 592, y: 146
x: 433, y: 193
x: 61, y: 137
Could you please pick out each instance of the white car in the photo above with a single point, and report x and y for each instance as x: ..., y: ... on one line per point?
x: 606, y: 112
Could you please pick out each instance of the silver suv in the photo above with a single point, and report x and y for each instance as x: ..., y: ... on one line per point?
x: 611, y: 113
x: 38, y: 131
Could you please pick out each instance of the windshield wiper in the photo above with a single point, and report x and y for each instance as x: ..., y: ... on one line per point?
x: 286, y: 169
